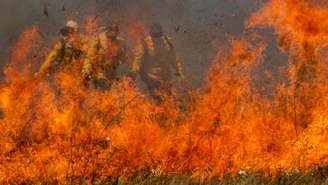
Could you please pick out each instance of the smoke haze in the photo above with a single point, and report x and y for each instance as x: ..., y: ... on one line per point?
x: 195, y: 26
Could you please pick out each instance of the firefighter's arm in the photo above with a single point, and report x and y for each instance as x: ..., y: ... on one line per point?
x: 50, y: 59
x: 177, y: 63
x: 179, y: 68
x: 138, y: 54
x: 86, y: 68
x: 123, y: 57
x: 91, y: 56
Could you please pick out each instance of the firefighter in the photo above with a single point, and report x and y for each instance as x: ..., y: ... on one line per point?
x: 106, y: 52
x: 66, y: 51
x: 156, y: 62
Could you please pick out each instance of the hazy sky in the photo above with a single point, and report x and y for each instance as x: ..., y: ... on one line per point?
x: 193, y: 24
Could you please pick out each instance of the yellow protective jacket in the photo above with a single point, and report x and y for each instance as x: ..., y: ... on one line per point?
x: 155, y: 58
x: 64, y: 52
x: 103, y: 57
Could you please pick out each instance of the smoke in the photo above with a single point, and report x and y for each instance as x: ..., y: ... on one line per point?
x: 225, y: 127
x: 196, y: 27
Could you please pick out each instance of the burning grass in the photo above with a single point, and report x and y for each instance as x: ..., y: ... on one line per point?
x: 56, y: 130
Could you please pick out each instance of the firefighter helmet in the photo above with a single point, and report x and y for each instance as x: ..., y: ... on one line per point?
x: 71, y: 24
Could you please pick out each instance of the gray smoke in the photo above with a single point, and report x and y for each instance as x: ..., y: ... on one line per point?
x: 193, y: 24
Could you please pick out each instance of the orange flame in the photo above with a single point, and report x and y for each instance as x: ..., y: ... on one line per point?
x: 79, y: 134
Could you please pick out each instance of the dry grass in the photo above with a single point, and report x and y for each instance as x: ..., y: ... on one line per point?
x: 317, y: 176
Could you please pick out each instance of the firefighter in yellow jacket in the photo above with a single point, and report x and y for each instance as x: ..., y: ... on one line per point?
x: 66, y: 51
x: 106, y: 52
x: 156, y: 62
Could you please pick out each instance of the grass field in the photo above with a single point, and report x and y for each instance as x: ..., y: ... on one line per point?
x: 317, y: 176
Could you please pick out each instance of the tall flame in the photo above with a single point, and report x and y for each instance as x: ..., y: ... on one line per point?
x: 71, y: 133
